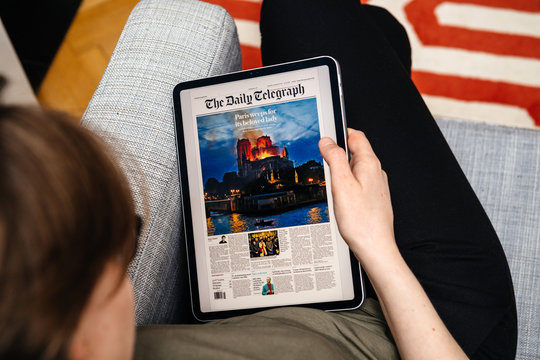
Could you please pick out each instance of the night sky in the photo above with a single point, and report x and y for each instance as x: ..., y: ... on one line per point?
x: 296, y: 126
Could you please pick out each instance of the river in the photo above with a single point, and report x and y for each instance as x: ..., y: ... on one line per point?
x: 234, y: 223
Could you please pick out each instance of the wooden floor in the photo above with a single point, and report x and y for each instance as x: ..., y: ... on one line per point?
x: 84, y: 54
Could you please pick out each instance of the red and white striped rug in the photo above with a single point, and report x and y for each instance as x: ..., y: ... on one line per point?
x: 475, y: 60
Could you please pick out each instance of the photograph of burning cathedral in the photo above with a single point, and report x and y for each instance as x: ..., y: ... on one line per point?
x: 262, y: 168
x: 262, y: 159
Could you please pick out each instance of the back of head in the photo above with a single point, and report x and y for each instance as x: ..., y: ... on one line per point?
x: 65, y: 212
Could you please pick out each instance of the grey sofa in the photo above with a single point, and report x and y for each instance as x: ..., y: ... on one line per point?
x: 165, y: 42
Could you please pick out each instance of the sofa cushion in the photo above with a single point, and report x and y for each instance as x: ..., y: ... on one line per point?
x: 503, y: 167
x: 163, y: 43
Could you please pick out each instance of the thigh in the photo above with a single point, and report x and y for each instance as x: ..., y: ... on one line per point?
x: 441, y: 228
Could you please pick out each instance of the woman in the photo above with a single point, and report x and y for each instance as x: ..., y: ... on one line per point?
x: 262, y: 248
x: 67, y: 223
x: 67, y: 234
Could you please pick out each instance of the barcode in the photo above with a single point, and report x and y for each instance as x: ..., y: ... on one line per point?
x: 219, y: 295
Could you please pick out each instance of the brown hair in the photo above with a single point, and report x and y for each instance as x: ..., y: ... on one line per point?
x: 65, y: 212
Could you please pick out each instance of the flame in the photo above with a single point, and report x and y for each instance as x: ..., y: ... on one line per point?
x: 267, y: 153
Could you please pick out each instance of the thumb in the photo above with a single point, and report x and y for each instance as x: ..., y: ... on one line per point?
x: 336, y: 158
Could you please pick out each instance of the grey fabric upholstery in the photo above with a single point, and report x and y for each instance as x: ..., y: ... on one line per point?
x: 167, y: 41
x: 503, y: 167
x: 163, y: 43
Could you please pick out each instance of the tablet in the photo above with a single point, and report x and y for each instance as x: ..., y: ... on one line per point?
x: 259, y: 223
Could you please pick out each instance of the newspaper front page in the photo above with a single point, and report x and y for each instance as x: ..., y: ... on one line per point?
x: 264, y: 204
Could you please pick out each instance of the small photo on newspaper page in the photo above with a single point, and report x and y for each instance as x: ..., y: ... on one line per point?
x: 262, y: 169
x: 263, y: 243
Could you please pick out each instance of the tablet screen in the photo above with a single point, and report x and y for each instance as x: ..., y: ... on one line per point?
x: 264, y: 231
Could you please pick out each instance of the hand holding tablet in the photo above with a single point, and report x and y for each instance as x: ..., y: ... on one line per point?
x: 363, y: 204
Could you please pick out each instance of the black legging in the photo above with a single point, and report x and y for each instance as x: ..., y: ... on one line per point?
x: 441, y: 229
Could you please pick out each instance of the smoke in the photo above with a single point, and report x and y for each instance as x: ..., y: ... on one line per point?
x: 252, y: 135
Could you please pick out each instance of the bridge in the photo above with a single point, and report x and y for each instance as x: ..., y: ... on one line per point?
x: 223, y: 206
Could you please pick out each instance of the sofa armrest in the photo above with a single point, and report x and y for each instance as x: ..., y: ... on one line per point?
x: 503, y: 166
x: 163, y: 43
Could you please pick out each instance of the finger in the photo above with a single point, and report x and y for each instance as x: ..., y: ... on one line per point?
x: 359, y: 144
x: 335, y: 157
x: 385, y: 181
x: 385, y: 176
x: 362, y: 156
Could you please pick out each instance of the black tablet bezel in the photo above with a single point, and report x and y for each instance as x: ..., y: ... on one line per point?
x: 336, y: 91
